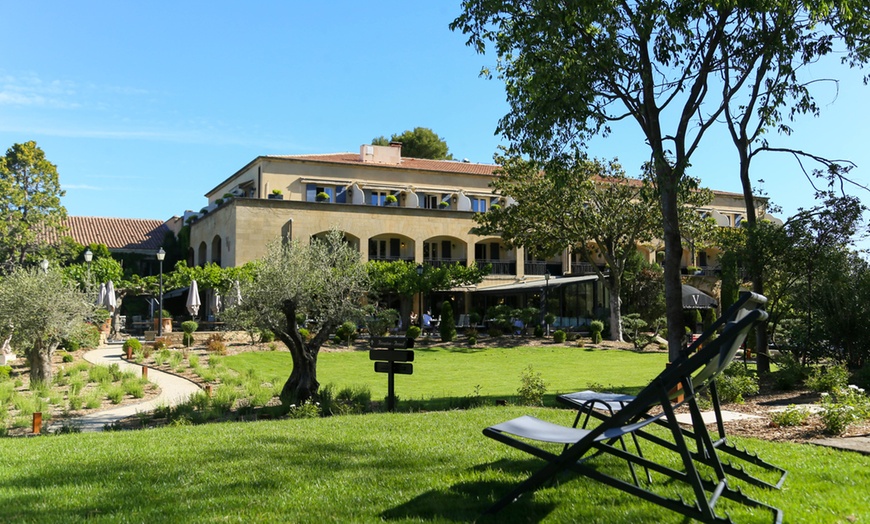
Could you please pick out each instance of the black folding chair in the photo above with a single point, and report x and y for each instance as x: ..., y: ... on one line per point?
x: 583, y: 444
x: 586, y: 402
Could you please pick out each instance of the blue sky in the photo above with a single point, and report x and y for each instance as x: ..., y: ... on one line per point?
x: 145, y: 106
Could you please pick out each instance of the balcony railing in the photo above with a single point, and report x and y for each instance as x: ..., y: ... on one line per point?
x: 540, y: 268
x: 582, y: 268
x: 438, y: 262
x: 499, y: 267
x: 385, y: 258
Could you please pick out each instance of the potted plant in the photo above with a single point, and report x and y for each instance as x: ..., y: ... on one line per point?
x: 277, y: 194
x: 693, y: 270
x: 219, y: 201
x: 323, y: 196
x: 390, y: 200
x: 443, y: 204
x: 167, y: 322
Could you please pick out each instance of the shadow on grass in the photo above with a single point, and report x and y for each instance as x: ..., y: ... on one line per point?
x: 466, y: 502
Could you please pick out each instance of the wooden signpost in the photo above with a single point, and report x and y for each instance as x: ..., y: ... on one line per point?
x: 392, y: 361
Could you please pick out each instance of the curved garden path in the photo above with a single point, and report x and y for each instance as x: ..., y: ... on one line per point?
x: 173, y: 390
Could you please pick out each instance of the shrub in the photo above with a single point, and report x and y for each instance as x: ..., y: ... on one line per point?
x: 532, y: 388
x: 132, y: 343
x: 559, y: 336
x: 596, y: 327
x: 99, y: 374
x: 844, y: 407
x: 472, y: 340
x: 391, y: 199
x: 159, y: 344
x: 266, y: 336
x: 346, y: 332
x: 790, y: 373
x: 308, y: 409
x: 189, y: 327
x: 791, y: 416
x: 215, y: 344
x: 305, y: 334
x: 86, y: 335
x: 828, y: 378
x: 413, y: 332
x: 495, y: 332
x: 539, y: 331
x: 448, y: 324
x: 735, y: 383
x: 861, y: 377
x: 5, y: 372
x: 67, y: 357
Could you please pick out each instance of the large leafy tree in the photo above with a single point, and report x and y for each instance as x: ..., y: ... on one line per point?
x: 572, y: 68
x: 41, y: 309
x: 588, y: 205
x: 401, y: 277
x: 323, y: 282
x: 30, y: 205
x: 420, y: 142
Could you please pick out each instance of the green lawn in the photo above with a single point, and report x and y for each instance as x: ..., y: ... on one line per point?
x: 441, y: 374
x: 418, y: 467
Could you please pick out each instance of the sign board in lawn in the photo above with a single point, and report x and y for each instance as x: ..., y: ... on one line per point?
x: 392, y: 361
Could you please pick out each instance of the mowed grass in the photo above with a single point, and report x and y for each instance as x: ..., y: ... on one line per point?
x: 442, y: 374
x: 408, y: 467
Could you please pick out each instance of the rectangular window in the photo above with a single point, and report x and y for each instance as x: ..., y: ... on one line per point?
x: 493, y: 251
x: 378, y: 198
x: 430, y: 250
x: 430, y: 201
x: 445, y: 249
x: 480, y: 251
x: 478, y: 205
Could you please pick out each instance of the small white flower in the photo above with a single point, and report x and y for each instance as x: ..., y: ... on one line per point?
x: 853, y: 386
x: 825, y: 394
x: 293, y: 406
x: 861, y: 390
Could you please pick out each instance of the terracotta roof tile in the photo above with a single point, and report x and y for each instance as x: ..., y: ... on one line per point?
x: 417, y: 164
x: 121, y: 234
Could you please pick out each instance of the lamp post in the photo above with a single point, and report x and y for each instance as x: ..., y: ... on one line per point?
x: 89, y: 255
x: 160, y: 256
x: 546, y: 298
x: 420, y: 274
x: 44, y: 265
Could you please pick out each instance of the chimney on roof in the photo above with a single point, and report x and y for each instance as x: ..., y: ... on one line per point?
x: 371, y: 154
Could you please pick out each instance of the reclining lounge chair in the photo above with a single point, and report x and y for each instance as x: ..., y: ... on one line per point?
x: 586, y: 401
x: 583, y: 444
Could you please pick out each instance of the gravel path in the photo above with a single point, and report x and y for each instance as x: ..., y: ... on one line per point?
x: 173, y: 390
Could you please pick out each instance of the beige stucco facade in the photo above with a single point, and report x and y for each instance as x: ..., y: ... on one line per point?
x: 430, y: 221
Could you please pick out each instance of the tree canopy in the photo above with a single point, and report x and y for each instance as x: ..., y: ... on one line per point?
x: 572, y: 68
x: 323, y: 282
x: 30, y: 205
x: 589, y: 206
x: 421, y: 142
x: 41, y: 309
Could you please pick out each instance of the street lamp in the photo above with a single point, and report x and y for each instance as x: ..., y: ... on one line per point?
x: 160, y: 256
x: 89, y: 255
x: 420, y: 274
x: 44, y: 265
x: 546, y: 298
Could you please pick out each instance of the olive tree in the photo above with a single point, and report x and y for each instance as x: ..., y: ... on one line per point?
x: 41, y: 309
x: 323, y: 282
